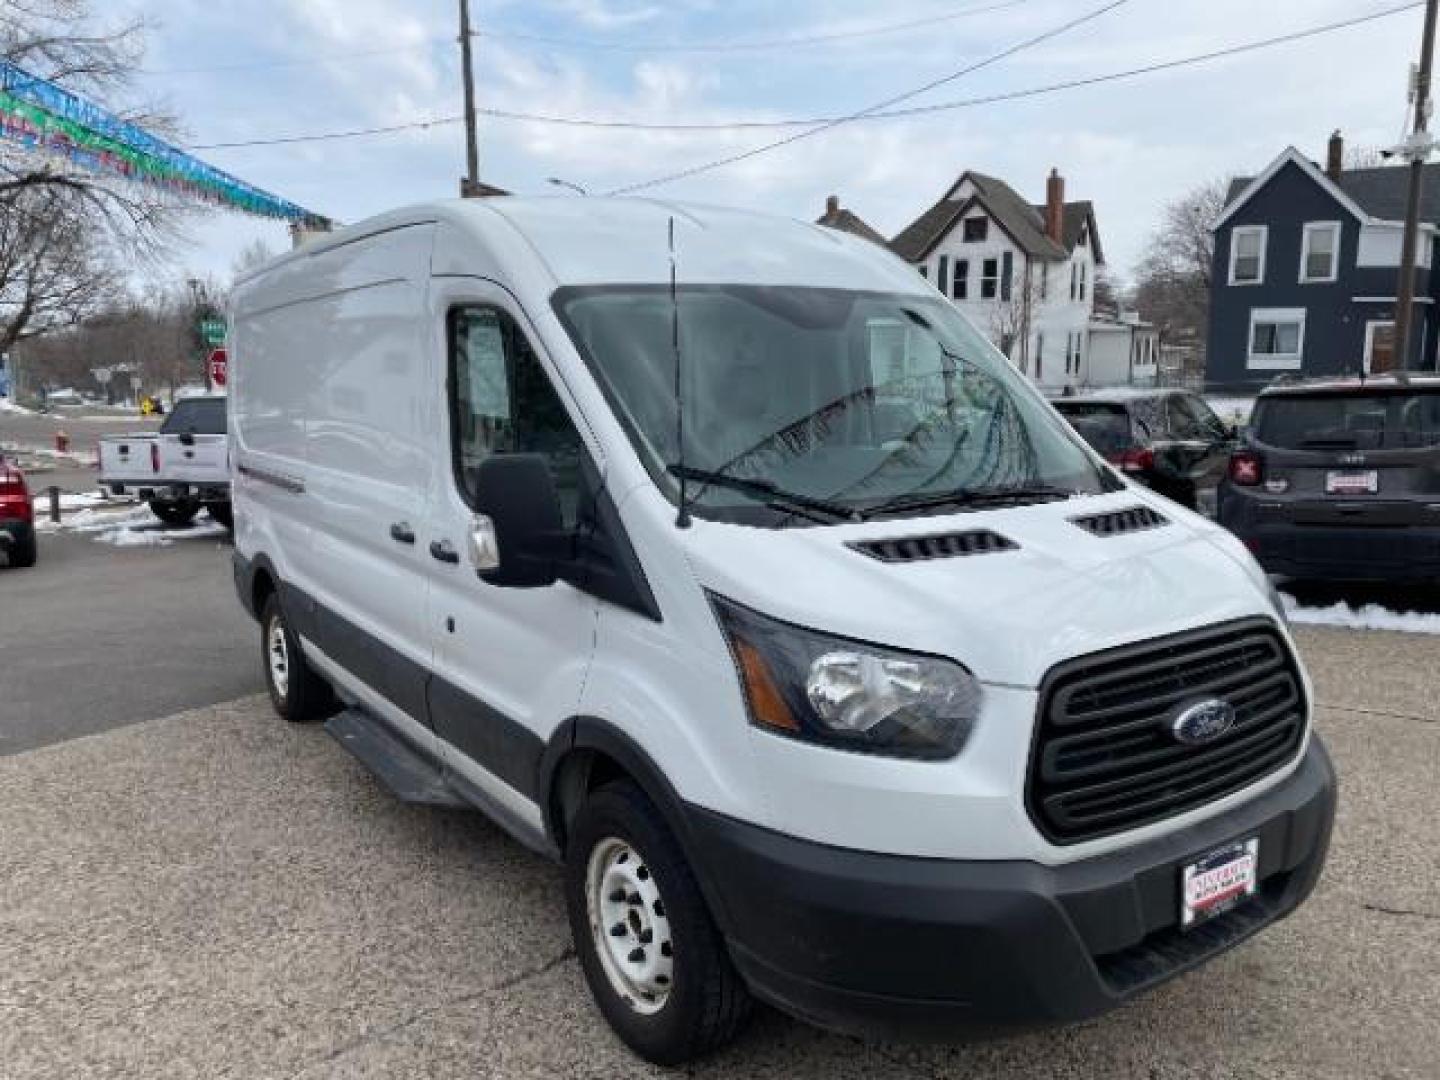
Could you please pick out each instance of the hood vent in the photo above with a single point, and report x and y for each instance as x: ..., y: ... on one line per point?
x: 940, y: 546
x: 1119, y: 522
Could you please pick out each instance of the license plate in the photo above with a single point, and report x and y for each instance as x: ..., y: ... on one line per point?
x: 1213, y: 885
x: 1366, y: 482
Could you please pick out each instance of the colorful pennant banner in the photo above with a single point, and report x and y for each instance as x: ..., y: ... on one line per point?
x: 41, y: 116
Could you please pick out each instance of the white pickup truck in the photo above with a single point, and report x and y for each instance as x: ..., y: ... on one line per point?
x: 185, y: 466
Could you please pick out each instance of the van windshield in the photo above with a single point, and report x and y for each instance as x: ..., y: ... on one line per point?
x: 867, y: 402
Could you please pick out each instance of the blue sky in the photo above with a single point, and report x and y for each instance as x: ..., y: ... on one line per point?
x: 272, y: 68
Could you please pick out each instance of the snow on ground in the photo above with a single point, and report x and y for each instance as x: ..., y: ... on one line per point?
x: 72, y: 500
x: 6, y: 405
x: 135, y: 527
x: 1368, y: 617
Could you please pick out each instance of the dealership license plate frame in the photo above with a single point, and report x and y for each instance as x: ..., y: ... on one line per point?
x: 1218, y: 882
x: 1352, y: 482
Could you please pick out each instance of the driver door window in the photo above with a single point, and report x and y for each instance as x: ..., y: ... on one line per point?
x: 502, y: 402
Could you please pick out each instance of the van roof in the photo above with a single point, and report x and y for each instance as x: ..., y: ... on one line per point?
x: 590, y: 241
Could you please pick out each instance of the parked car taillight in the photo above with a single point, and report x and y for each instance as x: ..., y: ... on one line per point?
x: 1139, y: 459
x: 1246, y: 469
x: 14, y: 497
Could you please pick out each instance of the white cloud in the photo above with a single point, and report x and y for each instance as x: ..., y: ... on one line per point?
x: 607, y: 16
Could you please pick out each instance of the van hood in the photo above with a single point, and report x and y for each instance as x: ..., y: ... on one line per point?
x: 1008, y: 616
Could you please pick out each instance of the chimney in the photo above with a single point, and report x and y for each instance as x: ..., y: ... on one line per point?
x: 1335, y: 160
x: 832, y: 206
x: 1055, y: 207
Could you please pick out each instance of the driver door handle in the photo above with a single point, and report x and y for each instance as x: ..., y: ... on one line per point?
x: 402, y: 533
x: 444, y: 551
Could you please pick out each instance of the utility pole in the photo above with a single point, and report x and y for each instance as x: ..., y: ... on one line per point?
x: 1417, y: 150
x: 470, y: 185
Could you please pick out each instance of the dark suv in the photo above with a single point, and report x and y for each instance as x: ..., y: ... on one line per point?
x: 1169, y: 440
x: 1341, y: 480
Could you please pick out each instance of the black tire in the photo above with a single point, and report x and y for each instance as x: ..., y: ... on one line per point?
x: 223, y: 514
x: 304, y: 696
x: 175, y: 513
x: 23, y: 553
x: 707, y: 1002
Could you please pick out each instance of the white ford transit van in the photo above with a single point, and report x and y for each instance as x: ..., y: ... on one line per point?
x: 776, y: 604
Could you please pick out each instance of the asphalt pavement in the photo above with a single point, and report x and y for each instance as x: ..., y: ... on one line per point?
x: 95, y: 637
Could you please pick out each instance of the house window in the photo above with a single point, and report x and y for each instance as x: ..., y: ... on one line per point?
x: 962, y: 279
x: 942, y: 279
x: 1039, y: 355
x: 1247, y: 254
x: 924, y: 270
x: 1277, y: 338
x: 1074, y: 279
x: 989, y: 278
x: 1044, y: 280
x: 1320, y: 252
x: 976, y: 230
x: 1084, y: 273
x: 1007, y: 272
x: 1379, y: 346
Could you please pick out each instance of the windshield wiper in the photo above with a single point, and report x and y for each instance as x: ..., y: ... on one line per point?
x: 1012, y: 496
x: 776, y: 497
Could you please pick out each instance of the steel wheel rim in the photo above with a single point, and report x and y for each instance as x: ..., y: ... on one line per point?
x: 277, y: 653
x: 629, y: 926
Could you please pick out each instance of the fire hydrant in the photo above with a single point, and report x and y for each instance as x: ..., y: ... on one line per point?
x: 62, y: 443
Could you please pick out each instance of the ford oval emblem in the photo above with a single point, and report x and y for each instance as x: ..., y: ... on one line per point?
x: 1203, y: 722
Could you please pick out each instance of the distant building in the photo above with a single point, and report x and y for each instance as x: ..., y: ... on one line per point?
x: 1306, y: 272
x: 1023, y: 273
x: 836, y: 217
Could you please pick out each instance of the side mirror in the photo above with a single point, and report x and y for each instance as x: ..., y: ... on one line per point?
x: 516, y: 492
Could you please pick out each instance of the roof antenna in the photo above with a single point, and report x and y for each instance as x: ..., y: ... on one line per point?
x: 682, y: 520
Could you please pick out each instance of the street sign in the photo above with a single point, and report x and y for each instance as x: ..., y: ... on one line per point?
x: 213, y: 331
x: 219, y: 364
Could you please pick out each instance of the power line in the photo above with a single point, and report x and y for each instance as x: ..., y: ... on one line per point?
x: 993, y: 58
x: 748, y: 46
x: 889, y: 114
x: 594, y: 45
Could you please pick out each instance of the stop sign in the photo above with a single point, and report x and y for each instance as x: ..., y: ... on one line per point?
x: 219, y: 366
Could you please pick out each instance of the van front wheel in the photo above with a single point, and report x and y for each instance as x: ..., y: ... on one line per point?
x: 296, y: 691
x: 652, y: 955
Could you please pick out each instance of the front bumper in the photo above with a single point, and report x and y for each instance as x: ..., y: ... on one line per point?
x: 896, y: 946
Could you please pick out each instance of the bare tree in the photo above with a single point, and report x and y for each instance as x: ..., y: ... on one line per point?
x: 1010, y: 318
x: 252, y: 256
x: 1173, y: 280
x: 54, y: 270
x: 61, y: 41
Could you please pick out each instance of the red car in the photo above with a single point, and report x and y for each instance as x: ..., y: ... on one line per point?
x: 17, y: 517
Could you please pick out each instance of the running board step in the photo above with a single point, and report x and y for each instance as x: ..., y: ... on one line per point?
x: 408, y: 774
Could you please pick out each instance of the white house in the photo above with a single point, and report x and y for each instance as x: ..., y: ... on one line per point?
x: 1024, y: 273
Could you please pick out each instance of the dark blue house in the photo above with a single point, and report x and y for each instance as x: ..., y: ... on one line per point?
x: 1307, y: 265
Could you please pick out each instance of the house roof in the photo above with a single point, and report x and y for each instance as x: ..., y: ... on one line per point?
x: 1022, y: 221
x: 1380, y: 194
x: 850, y: 222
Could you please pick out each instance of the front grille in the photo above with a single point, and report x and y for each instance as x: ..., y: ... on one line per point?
x: 938, y: 546
x: 1104, y: 757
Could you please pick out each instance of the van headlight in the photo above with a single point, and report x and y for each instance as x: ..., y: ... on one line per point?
x: 848, y: 694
